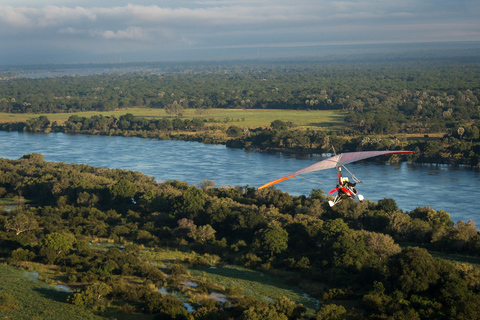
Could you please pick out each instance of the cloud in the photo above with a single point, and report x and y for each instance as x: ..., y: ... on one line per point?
x: 93, y: 25
x: 47, y: 16
x: 14, y: 18
x: 131, y: 33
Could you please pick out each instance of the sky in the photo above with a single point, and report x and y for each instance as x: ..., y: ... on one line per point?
x: 34, y: 31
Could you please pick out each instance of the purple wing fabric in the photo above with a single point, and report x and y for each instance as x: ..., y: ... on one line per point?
x: 333, y: 162
x: 350, y: 157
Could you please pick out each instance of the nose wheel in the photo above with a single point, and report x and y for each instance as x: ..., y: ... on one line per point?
x: 338, y: 199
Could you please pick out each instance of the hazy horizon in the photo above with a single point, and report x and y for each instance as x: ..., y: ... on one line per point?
x: 84, y: 31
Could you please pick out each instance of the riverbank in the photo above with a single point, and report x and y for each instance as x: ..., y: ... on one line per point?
x: 279, y: 136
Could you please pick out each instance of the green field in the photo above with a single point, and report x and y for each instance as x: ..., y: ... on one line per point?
x: 35, y: 299
x: 240, y: 117
x: 264, y: 287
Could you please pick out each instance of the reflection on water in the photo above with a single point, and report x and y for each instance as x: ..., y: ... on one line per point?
x: 62, y: 288
x: 32, y: 275
x: 218, y: 297
x: 453, y: 190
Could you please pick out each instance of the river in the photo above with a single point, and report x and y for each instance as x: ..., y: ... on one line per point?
x: 454, y: 190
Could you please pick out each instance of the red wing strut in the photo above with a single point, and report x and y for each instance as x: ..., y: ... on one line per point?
x: 333, y: 162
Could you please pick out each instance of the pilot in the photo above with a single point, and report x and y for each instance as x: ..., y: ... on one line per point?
x: 347, y: 185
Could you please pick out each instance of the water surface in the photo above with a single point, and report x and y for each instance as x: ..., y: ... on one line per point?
x: 452, y: 189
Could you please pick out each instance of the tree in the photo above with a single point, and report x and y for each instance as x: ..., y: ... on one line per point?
x: 332, y: 312
x: 436, y: 218
x: 59, y: 241
x: 387, y: 205
x: 186, y: 228
x: 260, y: 312
x: 382, y: 244
x: 124, y: 189
x: 93, y: 294
x: 203, y: 233
x: 414, y: 270
x: 174, y: 108
x: 287, y: 307
x: 168, y: 307
x: 20, y: 222
x: 278, y: 125
x: 191, y: 202
x: 273, y: 240
x: 234, y: 132
x: 331, y: 229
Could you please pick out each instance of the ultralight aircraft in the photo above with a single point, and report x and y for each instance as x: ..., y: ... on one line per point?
x: 345, y: 189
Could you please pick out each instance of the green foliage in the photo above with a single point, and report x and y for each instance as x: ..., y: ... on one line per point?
x: 261, y: 312
x: 331, y: 312
x: 59, y: 242
x: 331, y: 229
x: 190, y: 203
x: 271, y: 240
x: 414, y: 270
x: 21, y: 221
x: 388, y: 205
x: 168, y: 307
x: 124, y: 189
x: 34, y: 299
x: 278, y: 125
x: 438, y: 219
x: 298, y: 238
x: 21, y: 254
x: 92, y: 295
x: 234, y: 132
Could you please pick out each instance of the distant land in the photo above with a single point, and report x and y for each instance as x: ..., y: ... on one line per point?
x: 454, y: 51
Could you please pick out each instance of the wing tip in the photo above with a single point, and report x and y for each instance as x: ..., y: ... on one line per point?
x: 271, y: 183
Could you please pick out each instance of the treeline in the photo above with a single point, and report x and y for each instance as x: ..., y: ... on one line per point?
x: 352, y: 248
x: 126, y: 124
x: 459, y: 147
x: 377, y: 97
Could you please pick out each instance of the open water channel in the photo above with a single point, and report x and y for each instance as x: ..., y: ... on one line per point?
x: 452, y: 189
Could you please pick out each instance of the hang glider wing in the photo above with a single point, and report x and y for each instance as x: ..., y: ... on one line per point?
x: 334, y: 162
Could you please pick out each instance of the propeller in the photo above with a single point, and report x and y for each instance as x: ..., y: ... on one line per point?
x: 343, y: 189
x: 333, y: 191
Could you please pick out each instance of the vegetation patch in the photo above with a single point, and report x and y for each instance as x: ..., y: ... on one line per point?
x: 263, y: 286
x: 22, y: 297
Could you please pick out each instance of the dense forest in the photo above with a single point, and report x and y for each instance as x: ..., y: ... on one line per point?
x: 377, y: 97
x: 360, y: 260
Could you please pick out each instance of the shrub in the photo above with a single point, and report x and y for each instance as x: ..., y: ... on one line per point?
x: 21, y: 255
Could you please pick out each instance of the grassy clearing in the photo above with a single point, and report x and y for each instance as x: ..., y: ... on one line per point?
x: 455, y: 257
x: 37, y: 300
x: 264, y: 287
x: 241, y: 117
x: 444, y: 255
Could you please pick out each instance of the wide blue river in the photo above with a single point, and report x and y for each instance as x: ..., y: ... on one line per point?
x: 454, y: 190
